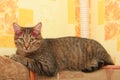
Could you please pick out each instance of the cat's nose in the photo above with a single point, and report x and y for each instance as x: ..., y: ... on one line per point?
x: 26, y: 45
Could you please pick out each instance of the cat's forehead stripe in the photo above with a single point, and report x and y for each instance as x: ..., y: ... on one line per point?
x: 27, y: 30
x: 26, y: 34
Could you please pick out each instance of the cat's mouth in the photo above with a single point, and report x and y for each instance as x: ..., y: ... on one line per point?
x: 27, y: 50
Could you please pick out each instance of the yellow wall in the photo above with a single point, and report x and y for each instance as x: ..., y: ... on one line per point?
x: 54, y: 14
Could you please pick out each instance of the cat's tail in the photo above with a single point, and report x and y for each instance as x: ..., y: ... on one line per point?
x: 108, y: 61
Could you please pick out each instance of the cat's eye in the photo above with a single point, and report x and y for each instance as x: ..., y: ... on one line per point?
x: 21, y: 39
x: 31, y: 40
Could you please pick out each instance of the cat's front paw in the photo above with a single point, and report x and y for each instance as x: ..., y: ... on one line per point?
x: 14, y: 57
x: 19, y: 59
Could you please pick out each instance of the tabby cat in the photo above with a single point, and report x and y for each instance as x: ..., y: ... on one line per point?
x: 49, y: 56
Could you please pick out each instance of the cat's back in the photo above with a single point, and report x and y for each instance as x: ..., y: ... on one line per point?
x: 71, y: 41
x: 64, y: 41
x: 74, y: 45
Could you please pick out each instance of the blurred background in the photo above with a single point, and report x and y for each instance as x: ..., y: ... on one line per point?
x: 96, y: 19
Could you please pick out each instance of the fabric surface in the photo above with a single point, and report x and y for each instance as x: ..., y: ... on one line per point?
x: 11, y: 70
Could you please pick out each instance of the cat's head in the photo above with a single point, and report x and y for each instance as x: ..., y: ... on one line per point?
x: 27, y: 39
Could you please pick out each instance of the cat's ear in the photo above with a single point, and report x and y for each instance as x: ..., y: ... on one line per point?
x: 16, y: 27
x: 38, y: 27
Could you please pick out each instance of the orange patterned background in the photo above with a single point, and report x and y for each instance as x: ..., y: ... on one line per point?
x: 104, y: 25
x: 104, y: 21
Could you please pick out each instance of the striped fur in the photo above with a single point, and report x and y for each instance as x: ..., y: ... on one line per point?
x: 48, y: 56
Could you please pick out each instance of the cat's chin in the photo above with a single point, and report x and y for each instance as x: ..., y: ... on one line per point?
x: 28, y: 51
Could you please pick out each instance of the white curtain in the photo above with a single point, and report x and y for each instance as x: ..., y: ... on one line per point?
x: 84, y: 19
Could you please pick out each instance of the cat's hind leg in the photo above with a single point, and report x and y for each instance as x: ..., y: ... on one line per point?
x: 93, y: 66
x: 90, y: 69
